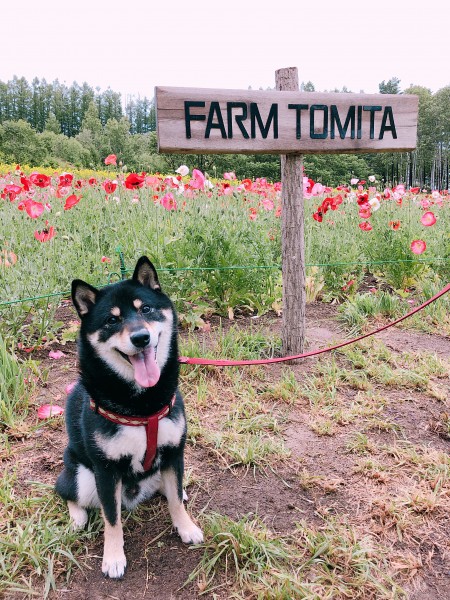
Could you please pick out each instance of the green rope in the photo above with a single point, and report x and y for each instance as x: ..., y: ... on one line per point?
x: 124, y: 271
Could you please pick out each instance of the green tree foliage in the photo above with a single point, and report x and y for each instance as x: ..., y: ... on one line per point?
x: 20, y: 143
x: 335, y: 169
x: 55, y: 124
x: 392, y: 86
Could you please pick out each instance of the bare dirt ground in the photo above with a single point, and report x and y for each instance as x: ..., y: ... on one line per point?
x: 322, y: 476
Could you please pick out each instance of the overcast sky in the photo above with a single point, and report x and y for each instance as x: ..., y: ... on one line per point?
x: 133, y: 46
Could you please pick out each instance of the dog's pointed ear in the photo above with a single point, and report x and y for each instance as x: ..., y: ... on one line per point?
x: 145, y: 274
x: 84, y: 296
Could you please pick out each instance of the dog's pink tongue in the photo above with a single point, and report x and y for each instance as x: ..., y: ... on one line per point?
x: 146, y: 369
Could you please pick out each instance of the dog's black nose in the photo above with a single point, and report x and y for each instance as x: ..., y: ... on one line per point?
x: 140, y: 338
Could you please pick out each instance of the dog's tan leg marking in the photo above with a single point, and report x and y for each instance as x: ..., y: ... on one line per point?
x: 78, y: 515
x: 114, y: 561
x: 187, y: 529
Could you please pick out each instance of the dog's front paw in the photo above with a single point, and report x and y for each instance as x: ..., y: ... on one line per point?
x: 78, y: 515
x: 114, y: 566
x: 190, y: 533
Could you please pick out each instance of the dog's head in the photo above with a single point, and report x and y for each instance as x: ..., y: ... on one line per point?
x: 129, y: 325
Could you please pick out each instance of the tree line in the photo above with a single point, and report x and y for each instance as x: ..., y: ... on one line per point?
x: 61, y: 126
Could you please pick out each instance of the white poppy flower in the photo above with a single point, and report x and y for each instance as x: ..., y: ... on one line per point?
x: 183, y: 170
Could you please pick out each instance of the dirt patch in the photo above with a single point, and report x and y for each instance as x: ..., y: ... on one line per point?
x: 323, y: 476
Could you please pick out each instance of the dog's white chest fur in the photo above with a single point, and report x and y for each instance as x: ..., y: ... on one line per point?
x: 131, y: 441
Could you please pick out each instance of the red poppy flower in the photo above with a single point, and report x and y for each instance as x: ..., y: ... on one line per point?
x: 414, y: 190
x: 363, y: 199
x: 253, y: 214
x: 309, y: 185
x: 92, y: 181
x: 335, y: 202
x: 418, y: 246
x: 33, y: 209
x: 109, y: 186
x: 428, y: 219
x: 317, y: 216
x: 71, y: 201
x: 40, y: 180
x: 12, y: 190
x: 111, y: 159
x: 134, y: 181
x: 26, y: 183
x: 349, y: 284
x: 65, y: 179
x: 46, y: 234
x: 365, y: 226
x: 394, y: 225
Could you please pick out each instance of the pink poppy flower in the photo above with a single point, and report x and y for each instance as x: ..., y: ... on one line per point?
x: 105, y: 259
x: 111, y: 159
x: 317, y: 189
x: 418, y: 246
x: 428, y: 219
x: 62, y: 191
x: 268, y: 204
x: 33, y: 209
x: 365, y: 211
x: 169, y: 202
x: 49, y: 410
x: 198, y: 180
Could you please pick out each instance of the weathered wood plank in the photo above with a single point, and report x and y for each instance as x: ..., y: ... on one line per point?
x: 194, y: 120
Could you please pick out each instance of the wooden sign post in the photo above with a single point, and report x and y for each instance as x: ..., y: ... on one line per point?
x: 293, y: 237
x: 289, y: 123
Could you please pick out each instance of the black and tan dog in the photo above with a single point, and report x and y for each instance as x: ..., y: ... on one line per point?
x: 125, y: 417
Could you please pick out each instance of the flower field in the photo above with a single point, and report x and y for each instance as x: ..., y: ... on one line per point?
x: 218, y: 242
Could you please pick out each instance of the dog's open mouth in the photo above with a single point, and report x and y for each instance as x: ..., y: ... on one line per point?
x: 146, y: 369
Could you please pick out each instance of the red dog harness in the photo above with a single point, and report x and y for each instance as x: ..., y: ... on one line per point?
x: 150, y: 423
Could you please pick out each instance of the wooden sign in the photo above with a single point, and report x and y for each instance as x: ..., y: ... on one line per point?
x: 192, y: 120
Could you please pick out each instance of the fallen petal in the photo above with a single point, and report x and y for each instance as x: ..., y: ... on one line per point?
x: 49, y: 410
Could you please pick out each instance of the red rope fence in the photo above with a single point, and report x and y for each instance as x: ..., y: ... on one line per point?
x: 187, y: 360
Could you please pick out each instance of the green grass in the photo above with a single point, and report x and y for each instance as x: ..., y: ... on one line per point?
x: 330, y: 561
x: 17, y: 386
x: 37, y: 544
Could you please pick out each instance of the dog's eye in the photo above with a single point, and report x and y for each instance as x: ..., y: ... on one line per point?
x: 145, y: 310
x: 112, y: 320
